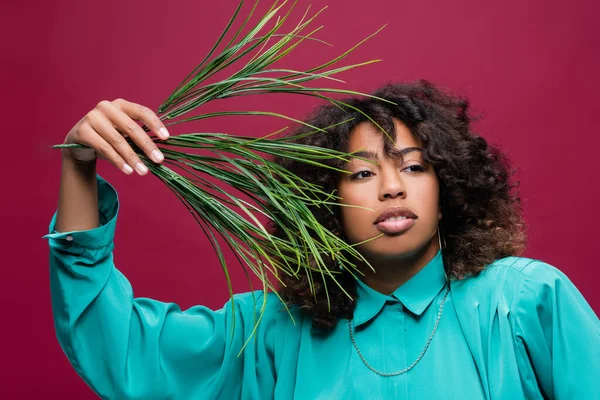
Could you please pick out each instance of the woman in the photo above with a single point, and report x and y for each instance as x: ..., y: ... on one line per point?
x: 449, y: 312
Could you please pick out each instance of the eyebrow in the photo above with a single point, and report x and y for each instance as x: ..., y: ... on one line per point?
x: 395, y: 153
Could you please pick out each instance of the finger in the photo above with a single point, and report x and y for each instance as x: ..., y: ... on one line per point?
x: 125, y: 124
x: 89, y: 137
x: 138, y: 112
x: 105, y: 129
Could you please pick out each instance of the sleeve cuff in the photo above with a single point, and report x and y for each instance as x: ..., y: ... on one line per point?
x: 96, y: 238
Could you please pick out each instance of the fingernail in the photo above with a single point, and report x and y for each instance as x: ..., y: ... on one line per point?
x: 128, y: 170
x: 141, y: 168
x: 157, y: 155
x: 163, y: 131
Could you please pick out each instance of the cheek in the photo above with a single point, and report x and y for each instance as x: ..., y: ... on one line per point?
x: 357, y: 224
x: 356, y: 220
x: 349, y: 195
x: 429, y: 200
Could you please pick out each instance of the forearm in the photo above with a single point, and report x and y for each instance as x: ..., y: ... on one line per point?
x: 78, y: 197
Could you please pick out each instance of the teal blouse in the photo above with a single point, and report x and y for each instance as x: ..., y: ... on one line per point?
x: 518, y: 330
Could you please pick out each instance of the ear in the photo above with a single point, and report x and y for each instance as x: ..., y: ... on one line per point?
x: 440, y: 215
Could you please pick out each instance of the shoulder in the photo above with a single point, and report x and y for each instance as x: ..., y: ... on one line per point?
x: 514, y: 271
x: 267, y: 316
x: 267, y: 306
x: 527, y: 268
x: 513, y: 280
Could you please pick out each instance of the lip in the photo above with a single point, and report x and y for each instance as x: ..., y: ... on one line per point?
x: 396, y: 211
x: 395, y: 227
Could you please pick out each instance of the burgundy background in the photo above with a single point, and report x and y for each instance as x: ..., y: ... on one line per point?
x: 528, y: 67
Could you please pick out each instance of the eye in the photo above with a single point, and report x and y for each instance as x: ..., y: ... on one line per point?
x: 361, y: 175
x: 414, y: 168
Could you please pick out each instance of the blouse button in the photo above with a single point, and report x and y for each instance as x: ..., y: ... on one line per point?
x: 69, y: 238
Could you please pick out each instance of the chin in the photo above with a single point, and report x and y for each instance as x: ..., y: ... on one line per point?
x: 392, y: 247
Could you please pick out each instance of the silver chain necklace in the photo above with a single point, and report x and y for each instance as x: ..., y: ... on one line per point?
x: 437, y: 321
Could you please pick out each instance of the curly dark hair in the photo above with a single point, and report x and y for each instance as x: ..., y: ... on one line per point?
x: 482, y: 210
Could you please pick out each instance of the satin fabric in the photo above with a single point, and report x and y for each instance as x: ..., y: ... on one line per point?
x: 518, y: 330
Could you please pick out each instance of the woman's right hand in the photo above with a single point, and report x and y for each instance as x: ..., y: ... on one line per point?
x: 104, y: 130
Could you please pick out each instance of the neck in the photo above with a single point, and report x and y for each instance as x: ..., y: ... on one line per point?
x: 391, y: 273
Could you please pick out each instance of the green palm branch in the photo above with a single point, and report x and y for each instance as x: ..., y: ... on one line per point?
x: 243, y: 163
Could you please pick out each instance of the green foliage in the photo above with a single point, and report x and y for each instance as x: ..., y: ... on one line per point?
x: 243, y: 163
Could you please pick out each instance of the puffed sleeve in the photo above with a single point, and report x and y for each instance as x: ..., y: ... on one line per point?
x: 139, y: 348
x: 558, y: 335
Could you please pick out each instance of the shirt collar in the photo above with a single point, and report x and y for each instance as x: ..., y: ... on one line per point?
x: 415, y: 294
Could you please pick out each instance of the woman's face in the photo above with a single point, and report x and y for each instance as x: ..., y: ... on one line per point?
x: 403, y: 194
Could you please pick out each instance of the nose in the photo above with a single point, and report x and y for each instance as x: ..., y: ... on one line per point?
x: 391, y: 185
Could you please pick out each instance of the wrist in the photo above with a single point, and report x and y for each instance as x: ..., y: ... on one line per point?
x: 70, y: 161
